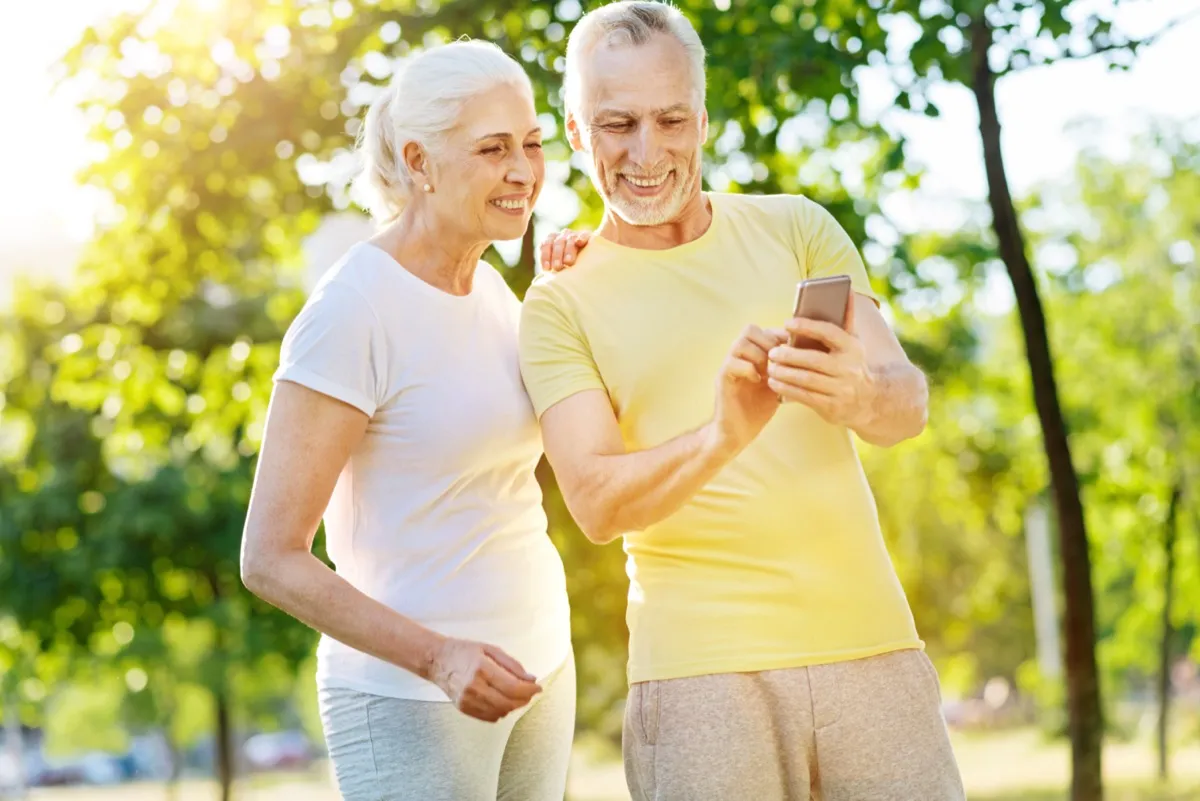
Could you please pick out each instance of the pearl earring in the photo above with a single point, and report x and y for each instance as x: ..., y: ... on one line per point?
x: 427, y: 188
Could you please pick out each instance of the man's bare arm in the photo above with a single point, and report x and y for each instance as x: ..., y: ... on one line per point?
x: 610, y: 491
x: 865, y: 382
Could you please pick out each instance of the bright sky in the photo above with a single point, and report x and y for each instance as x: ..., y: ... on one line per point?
x: 44, y: 216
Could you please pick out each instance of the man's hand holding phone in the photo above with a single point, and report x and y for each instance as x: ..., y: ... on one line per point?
x: 824, y: 365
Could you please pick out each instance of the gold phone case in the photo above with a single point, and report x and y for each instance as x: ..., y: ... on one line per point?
x: 822, y: 299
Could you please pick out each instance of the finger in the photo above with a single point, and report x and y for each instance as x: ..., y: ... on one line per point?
x: 546, y: 243
x: 508, y: 663
x: 804, y: 379
x: 758, y: 336
x: 508, y: 685
x: 751, y: 352
x: 818, y: 403
x: 578, y: 242
x: 560, y: 244
x: 742, y: 370
x: 476, y: 705
x: 778, y: 336
x: 827, y: 334
x: 807, y: 358
x: 490, y: 700
x: 474, y: 709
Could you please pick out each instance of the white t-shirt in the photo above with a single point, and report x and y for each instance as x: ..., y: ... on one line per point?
x: 437, y: 513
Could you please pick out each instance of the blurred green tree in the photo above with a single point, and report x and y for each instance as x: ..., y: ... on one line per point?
x: 975, y: 43
x: 120, y: 539
x: 1119, y: 245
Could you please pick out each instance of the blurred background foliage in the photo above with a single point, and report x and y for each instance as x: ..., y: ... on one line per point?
x: 132, y: 400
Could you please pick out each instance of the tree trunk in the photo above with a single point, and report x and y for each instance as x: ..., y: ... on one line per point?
x: 1085, y: 720
x: 172, y: 786
x: 15, y: 741
x: 1164, y: 655
x: 525, y: 265
x: 224, y: 743
x: 224, y: 752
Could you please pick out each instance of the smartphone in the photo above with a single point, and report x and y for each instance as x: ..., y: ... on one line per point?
x: 821, y: 299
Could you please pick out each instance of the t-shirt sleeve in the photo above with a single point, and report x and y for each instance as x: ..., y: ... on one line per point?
x: 556, y: 361
x: 826, y: 249
x: 336, y: 346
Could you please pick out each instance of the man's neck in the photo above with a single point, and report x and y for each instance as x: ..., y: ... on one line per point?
x: 692, y: 221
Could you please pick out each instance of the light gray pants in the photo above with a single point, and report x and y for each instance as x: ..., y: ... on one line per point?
x: 394, y: 749
x: 863, y: 730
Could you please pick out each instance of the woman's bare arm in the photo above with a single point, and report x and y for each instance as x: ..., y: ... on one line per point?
x: 307, y: 441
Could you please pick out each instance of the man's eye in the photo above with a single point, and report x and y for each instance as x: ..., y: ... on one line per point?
x: 491, y: 151
x: 534, y: 146
x: 673, y: 122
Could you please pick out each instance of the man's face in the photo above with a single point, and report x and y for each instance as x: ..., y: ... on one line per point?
x: 640, y: 120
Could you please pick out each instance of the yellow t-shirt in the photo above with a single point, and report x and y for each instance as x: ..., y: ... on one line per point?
x: 779, y: 561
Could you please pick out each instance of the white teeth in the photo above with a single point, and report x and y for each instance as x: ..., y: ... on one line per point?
x: 511, y: 204
x: 647, y: 181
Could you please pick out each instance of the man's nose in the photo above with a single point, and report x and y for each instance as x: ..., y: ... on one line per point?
x: 647, y: 149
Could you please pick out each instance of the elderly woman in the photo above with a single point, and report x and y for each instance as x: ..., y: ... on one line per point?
x: 445, y: 669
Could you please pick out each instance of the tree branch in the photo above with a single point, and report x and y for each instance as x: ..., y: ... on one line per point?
x: 1130, y: 45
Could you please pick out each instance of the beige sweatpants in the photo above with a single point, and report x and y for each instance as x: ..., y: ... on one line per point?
x: 864, y: 730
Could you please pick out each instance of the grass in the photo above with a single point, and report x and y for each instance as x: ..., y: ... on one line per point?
x: 1010, y: 766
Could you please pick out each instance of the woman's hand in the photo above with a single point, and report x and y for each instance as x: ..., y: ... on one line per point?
x: 560, y: 249
x: 482, y: 681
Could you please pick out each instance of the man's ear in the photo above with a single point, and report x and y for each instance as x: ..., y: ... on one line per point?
x: 574, y: 135
x: 415, y: 162
x: 704, y: 125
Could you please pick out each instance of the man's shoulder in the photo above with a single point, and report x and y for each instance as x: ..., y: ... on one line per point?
x: 779, y: 205
x: 587, y: 270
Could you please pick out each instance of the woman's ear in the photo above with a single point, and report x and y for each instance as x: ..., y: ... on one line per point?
x: 416, y: 163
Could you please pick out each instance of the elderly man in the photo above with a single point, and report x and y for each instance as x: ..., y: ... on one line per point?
x: 773, y: 654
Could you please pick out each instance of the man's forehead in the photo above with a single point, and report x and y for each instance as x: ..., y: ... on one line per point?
x: 641, y: 79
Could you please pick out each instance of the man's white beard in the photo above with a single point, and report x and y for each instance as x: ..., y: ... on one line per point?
x: 649, y: 211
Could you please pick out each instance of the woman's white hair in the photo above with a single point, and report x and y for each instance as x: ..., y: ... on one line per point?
x: 422, y: 104
x: 630, y: 22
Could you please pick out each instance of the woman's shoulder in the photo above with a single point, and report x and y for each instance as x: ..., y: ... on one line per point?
x: 360, y: 267
x: 493, y: 282
x: 346, y: 289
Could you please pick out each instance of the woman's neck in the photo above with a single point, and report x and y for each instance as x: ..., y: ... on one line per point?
x: 437, y: 255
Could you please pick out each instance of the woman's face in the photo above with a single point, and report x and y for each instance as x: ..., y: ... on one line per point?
x: 489, y: 173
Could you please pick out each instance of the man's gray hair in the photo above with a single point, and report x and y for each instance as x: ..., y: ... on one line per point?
x: 630, y: 22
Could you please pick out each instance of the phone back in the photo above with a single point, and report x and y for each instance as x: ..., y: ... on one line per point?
x: 822, y: 299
